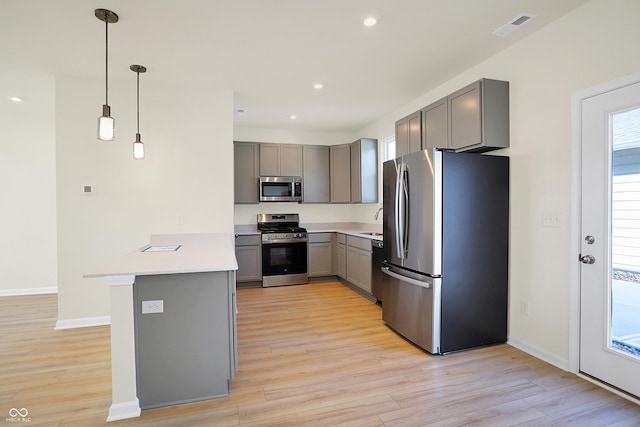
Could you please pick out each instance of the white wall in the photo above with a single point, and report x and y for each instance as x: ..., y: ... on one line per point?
x: 593, y: 44
x: 309, y: 213
x: 28, y: 259
x: 188, y: 134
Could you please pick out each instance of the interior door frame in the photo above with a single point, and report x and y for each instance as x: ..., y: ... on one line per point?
x: 575, y: 223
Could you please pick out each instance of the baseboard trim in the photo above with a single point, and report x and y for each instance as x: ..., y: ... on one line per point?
x: 540, y: 354
x: 124, y: 410
x: 83, y: 322
x: 28, y: 291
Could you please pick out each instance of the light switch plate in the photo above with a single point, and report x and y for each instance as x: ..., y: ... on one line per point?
x: 154, y: 306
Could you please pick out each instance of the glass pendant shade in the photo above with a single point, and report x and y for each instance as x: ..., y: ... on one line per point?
x: 106, y: 125
x: 138, y: 148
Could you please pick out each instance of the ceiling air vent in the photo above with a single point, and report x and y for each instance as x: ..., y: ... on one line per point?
x: 514, y: 24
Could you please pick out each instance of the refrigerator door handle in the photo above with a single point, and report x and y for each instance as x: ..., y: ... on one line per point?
x: 406, y: 279
x: 401, y: 211
x: 399, y: 225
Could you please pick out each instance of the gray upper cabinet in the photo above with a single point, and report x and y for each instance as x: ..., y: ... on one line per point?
x: 435, y: 125
x: 364, y: 171
x: 474, y: 118
x: 269, y: 159
x: 340, y: 169
x: 280, y: 159
x: 479, y: 116
x: 246, y: 173
x: 315, y: 174
x: 408, y: 134
x: 290, y: 160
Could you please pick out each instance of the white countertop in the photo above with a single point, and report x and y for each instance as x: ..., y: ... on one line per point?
x: 197, y: 253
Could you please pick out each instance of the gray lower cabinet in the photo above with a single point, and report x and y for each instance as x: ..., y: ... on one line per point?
x: 408, y: 134
x: 246, y: 172
x: 186, y: 351
x: 359, y: 262
x: 316, y: 179
x: 249, y: 257
x: 319, y: 255
x: 341, y: 255
x: 340, y: 170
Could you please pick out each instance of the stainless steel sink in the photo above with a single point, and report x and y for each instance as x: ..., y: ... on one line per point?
x: 372, y: 233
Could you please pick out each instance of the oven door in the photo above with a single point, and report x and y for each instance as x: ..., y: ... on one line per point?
x: 284, y: 263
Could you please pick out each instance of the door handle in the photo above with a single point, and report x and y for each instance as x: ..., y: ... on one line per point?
x: 587, y: 259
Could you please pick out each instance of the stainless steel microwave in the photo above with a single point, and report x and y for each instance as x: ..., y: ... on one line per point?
x: 280, y: 189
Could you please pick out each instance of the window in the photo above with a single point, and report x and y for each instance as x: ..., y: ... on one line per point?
x: 389, y: 148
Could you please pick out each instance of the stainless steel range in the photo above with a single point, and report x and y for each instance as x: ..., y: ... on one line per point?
x: 284, y: 250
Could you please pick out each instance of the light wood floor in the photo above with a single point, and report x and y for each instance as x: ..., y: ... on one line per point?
x: 312, y: 355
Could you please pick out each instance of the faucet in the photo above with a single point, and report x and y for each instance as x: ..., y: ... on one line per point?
x: 377, y: 213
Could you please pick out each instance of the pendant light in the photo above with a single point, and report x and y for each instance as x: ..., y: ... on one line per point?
x: 106, y: 124
x: 138, y: 146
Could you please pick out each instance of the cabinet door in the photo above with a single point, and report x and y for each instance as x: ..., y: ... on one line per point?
x: 415, y: 132
x: 340, y: 173
x: 269, y: 159
x: 435, y: 125
x: 356, y: 173
x: 342, y: 260
x: 408, y: 134
x: 249, y: 263
x: 465, y: 117
x: 359, y: 267
x: 320, y: 259
x: 246, y: 173
x: 290, y: 160
x: 315, y: 174
x: 402, y: 137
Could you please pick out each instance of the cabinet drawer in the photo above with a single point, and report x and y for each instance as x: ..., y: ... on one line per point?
x: 342, y: 238
x: 248, y: 239
x: 359, y: 242
x: 319, y: 237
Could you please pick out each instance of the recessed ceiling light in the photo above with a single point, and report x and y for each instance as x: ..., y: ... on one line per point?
x: 293, y: 117
x: 15, y: 98
x: 370, y: 21
x: 318, y: 85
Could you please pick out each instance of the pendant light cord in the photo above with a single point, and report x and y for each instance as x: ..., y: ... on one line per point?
x: 138, y: 100
x: 106, y: 62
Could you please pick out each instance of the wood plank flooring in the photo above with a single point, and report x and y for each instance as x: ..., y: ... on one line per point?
x: 310, y: 355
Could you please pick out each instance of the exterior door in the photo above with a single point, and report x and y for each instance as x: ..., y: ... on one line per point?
x: 610, y: 237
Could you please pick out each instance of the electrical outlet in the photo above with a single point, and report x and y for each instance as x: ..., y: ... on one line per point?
x: 524, y: 307
x: 551, y: 219
x: 179, y: 219
x: 154, y: 306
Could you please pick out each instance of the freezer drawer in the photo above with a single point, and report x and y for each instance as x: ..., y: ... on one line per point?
x: 412, y: 307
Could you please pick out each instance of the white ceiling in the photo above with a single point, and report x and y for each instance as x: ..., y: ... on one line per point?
x: 269, y: 52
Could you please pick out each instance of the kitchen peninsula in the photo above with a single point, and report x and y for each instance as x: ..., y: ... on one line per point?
x: 173, y: 322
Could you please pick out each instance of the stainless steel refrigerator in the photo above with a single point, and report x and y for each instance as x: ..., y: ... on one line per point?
x: 446, y: 240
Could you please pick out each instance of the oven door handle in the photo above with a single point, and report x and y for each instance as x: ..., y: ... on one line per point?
x: 271, y: 242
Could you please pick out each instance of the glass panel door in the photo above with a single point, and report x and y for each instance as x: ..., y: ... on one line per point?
x: 610, y: 238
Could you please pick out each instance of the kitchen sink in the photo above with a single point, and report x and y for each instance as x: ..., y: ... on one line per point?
x: 372, y: 233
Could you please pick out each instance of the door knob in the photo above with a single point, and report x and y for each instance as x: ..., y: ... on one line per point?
x: 588, y: 259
